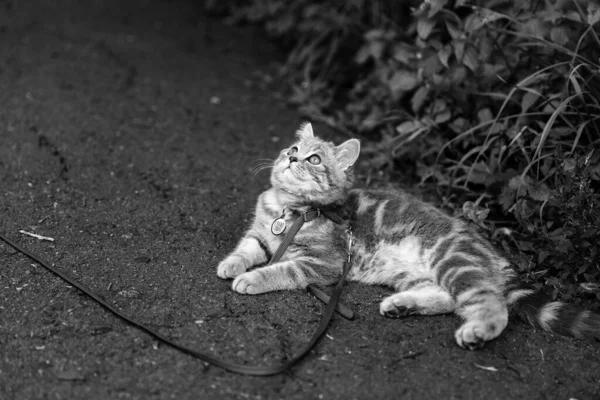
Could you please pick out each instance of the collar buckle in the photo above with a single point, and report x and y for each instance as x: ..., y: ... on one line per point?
x: 305, y: 214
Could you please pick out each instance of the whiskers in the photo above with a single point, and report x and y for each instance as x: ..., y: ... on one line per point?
x: 261, y: 165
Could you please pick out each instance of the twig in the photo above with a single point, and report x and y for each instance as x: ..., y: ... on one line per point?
x: 413, y: 354
x: 492, y: 369
x: 44, y: 218
x: 36, y: 236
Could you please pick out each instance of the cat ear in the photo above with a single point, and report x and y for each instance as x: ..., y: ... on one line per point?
x: 347, y: 153
x: 305, y: 131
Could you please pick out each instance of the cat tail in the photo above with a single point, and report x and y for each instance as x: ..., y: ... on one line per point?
x: 538, y: 309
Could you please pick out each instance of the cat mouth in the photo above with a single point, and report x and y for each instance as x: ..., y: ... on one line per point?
x: 292, y: 172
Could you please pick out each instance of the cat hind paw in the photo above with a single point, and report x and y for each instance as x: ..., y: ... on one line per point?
x: 392, y: 308
x: 472, y: 335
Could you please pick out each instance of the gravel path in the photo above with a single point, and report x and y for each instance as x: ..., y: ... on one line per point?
x: 127, y: 133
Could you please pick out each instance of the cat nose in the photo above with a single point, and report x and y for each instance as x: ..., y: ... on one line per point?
x: 293, y: 159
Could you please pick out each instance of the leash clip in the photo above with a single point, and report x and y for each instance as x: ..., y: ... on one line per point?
x: 350, y: 242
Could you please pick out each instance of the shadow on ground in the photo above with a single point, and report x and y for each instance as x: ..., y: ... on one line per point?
x: 127, y: 134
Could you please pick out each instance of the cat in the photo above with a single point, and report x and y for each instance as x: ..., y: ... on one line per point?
x: 437, y: 264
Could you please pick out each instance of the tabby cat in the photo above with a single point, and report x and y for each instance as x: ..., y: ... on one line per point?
x: 436, y: 264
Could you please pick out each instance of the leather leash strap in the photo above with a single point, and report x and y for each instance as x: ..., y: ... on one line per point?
x: 241, y: 369
x: 289, y: 237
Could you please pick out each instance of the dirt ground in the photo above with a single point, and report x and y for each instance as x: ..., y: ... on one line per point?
x: 127, y: 134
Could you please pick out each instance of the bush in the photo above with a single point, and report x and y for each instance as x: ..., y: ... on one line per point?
x: 495, y: 102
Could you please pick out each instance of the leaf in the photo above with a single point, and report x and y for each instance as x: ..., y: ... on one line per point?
x: 506, y: 175
x: 550, y: 123
x: 520, y: 184
x: 479, y: 173
x: 458, y: 74
x: 442, y: 117
x: 539, y: 192
x: 403, y: 81
x: 484, y: 115
x: 435, y: 6
x: 551, y: 14
x: 572, y: 16
x: 454, y: 31
x: 473, y: 22
x: 562, y: 244
x: 419, y: 98
x: 440, y: 112
x: 526, y: 246
x: 402, y: 53
x: 431, y: 65
x: 444, y: 55
x: 413, y: 128
x: 595, y: 172
x: 562, y: 131
x: 470, y: 59
x: 376, y: 49
x: 374, y: 34
x: 362, y: 55
x: 569, y: 164
x: 474, y: 212
x: 507, y: 198
x: 492, y: 70
x: 559, y: 35
x: 542, y: 255
x: 593, y: 13
x: 459, y: 49
x: 485, y: 49
x: 529, y: 99
x: 424, y: 27
x: 408, y: 127
x: 459, y: 125
x: 534, y: 27
x: 438, y: 81
x: 481, y: 17
x: 372, y: 120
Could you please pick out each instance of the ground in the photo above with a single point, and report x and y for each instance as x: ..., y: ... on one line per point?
x: 128, y: 131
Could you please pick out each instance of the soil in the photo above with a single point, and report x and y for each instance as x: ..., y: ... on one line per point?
x: 128, y: 131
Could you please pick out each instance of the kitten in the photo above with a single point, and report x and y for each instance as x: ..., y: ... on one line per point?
x: 436, y: 264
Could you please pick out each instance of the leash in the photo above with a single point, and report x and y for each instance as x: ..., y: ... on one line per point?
x: 287, y: 240
x: 332, y: 302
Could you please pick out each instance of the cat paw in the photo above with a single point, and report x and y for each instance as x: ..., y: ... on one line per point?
x: 472, y: 335
x: 249, y: 283
x: 396, y: 307
x: 230, y: 268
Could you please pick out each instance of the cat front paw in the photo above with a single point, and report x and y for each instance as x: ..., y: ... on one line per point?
x: 249, y: 283
x: 230, y: 268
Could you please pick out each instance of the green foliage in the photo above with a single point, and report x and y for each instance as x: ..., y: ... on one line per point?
x: 495, y: 102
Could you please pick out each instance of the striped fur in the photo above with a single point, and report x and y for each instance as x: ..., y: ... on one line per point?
x: 436, y: 264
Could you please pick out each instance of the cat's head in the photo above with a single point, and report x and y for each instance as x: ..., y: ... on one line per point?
x: 313, y: 171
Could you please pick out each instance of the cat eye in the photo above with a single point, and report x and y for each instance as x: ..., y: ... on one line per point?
x: 293, y: 150
x: 314, y: 159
